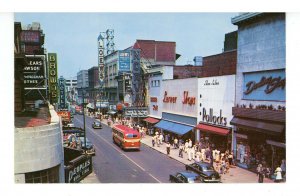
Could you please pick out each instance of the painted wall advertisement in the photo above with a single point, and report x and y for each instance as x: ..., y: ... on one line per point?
x: 124, y: 61
x: 53, y: 88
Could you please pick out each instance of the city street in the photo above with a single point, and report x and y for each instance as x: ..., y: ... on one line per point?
x: 113, y: 165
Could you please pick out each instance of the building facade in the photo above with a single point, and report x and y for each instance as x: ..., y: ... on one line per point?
x: 259, y: 113
x: 71, y: 89
x: 39, y: 155
x: 82, y: 83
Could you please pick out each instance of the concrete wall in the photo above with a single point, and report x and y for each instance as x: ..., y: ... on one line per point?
x: 261, y: 46
x: 39, y: 148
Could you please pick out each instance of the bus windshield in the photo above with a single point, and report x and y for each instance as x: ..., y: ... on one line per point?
x: 130, y: 135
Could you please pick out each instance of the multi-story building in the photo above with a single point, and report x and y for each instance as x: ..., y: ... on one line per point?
x: 38, y: 150
x: 260, y: 96
x: 82, y: 83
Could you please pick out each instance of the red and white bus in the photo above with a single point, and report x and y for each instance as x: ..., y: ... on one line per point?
x: 125, y: 137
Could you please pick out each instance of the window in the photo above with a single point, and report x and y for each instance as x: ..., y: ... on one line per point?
x: 130, y: 135
x: 155, y: 83
x: 44, y: 176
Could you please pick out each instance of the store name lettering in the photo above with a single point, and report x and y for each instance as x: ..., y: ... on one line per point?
x: 153, y: 99
x: 155, y: 107
x: 187, y: 99
x: 210, y: 118
x: 79, y: 171
x: 35, y: 62
x: 270, y: 83
x: 169, y: 99
x: 214, y: 82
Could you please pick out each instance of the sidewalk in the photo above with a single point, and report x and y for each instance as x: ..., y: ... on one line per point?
x: 92, y: 178
x: 235, y: 175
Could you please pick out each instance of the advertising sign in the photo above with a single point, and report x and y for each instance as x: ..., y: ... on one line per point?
x: 65, y: 115
x: 62, y: 93
x: 34, y: 72
x: 30, y: 36
x: 216, y: 99
x: 124, y: 61
x: 53, y: 89
x: 101, y: 60
x: 136, y: 76
x: 79, y: 169
x: 266, y: 85
x: 136, y: 112
x: 32, y: 49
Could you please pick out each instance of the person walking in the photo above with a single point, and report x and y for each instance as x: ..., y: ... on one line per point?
x: 161, y: 137
x: 153, y: 141
x: 278, y: 174
x: 175, y: 143
x: 260, y: 173
x: 190, y: 143
x: 283, y: 168
x: 186, y: 146
x: 168, y: 148
x: 181, y: 148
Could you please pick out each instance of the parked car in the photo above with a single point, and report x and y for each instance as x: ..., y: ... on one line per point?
x: 70, y: 125
x: 206, y: 171
x: 90, y: 149
x: 97, y: 124
x: 184, y: 177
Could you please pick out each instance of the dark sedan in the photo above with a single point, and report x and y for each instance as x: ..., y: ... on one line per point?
x: 89, y: 149
x: 97, y: 124
x: 206, y: 171
x: 184, y: 177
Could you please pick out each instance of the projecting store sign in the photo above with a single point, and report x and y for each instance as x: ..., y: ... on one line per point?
x: 53, y: 77
x: 34, y: 72
x: 62, y: 95
x: 136, y: 112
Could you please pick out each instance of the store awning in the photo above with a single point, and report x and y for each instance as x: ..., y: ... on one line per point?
x: 213, y: 129
x: 274, y: 143
x: 179, y: 129
x: 151, y: 120
x: 90, y: 105
x: 111, y: 112
x: 261, y: 126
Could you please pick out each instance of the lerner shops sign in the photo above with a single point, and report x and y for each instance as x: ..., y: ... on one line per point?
x: 209, y: 117
x: 186, y: 98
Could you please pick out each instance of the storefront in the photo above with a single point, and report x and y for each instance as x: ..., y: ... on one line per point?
x: 216, y: 99
x: 150, y: 122
x: 259, y: 121
x: 178, y: 106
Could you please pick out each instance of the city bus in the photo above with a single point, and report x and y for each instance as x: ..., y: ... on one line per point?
x: 125, y: 137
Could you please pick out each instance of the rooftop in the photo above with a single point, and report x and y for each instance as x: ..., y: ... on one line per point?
x: 38, y: 117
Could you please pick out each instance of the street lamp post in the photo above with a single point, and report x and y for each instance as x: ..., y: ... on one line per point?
x: 83, y: 94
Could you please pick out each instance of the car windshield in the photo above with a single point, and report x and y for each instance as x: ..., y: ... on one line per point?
x: 130, y: 135
x: 97, y: 123
x: 208, y: 168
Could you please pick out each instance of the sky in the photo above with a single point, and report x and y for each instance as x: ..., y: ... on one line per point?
x: 73, y: 36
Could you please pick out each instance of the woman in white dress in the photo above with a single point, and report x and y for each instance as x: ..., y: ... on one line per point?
x: 278, y: 174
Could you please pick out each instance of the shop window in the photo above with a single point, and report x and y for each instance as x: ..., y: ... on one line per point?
x: 44, y: 176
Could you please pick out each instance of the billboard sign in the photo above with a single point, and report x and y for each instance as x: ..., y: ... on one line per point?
x: 34, y: 72
x: 124, y: 61
x: 30, y: 36
x: 53, y: 89
x: 136, y: 112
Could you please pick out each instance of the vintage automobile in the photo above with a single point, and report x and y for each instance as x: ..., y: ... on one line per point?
x: 97, y: 124
x: 90, y: 149
x: 185, y: 177
x: 205, y: 170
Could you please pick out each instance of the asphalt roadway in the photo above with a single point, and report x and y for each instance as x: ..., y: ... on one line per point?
x: 114, y: 165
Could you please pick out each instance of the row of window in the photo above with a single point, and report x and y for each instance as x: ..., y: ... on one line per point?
x: 155, y: 83
x: 50, y: 175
